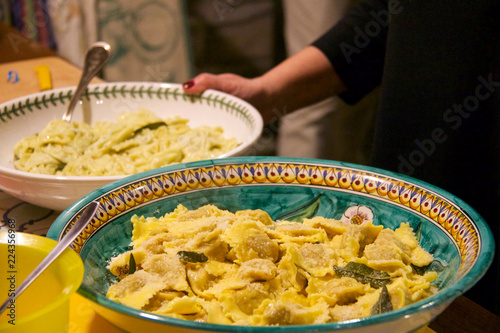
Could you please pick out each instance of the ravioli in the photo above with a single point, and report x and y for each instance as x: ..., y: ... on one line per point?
x: 214, y: 266
x: 136, y: 142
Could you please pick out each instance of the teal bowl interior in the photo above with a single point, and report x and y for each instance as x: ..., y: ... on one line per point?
x: 288, y: 189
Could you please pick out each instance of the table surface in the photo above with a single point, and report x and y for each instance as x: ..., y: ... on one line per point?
x: 62, y: 74
x: 462, y: 315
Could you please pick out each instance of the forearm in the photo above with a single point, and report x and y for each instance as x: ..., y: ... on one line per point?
x: 300, y: 80
x: 335, y: 64
x: 356, y: 46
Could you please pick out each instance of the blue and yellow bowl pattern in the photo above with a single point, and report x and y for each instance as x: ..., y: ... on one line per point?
x: 288, y: 189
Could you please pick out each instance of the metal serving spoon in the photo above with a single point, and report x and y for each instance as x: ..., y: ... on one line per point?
x: 79, y: 225
x: 96, y: 58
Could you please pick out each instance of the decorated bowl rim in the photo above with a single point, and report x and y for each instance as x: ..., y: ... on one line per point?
x: 445, y: 296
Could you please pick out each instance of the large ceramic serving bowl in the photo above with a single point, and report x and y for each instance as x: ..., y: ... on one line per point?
x: 26, y: 116
x: 288, y: 189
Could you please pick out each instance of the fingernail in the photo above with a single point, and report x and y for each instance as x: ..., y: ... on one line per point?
x: 188, y: 84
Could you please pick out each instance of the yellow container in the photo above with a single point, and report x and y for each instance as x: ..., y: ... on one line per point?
x: 44, y: 305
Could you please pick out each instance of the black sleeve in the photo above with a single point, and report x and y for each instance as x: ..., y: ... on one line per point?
x: 356, y: 46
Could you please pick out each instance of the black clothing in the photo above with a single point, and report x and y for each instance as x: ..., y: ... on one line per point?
x: 438, y: 64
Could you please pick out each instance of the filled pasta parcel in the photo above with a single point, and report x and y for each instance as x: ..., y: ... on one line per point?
x: 135, y: 142
x: 214, y: 266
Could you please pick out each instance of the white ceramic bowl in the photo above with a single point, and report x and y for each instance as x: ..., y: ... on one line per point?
x: 28, y: 115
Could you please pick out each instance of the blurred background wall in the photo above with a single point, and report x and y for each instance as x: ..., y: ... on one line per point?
x: 157, y: 40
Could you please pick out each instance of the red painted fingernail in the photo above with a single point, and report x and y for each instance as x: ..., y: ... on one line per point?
x: 188, y: 84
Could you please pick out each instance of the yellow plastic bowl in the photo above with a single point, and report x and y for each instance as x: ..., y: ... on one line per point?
x: 44, y: 305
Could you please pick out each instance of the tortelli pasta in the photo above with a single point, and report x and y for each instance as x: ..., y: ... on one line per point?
x: 214, y: 266
x: 136, y: 142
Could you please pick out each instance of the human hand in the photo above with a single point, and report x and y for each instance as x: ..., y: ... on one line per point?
x: 250, y: 90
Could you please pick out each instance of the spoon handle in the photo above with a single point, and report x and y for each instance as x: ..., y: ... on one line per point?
x: 56, y: 251
x: 96, y: 58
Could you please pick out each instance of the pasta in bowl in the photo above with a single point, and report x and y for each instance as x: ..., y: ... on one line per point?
x: 214, y: 266
x: 217, y: 124
x: 137, y: 142
x: 256, y: 244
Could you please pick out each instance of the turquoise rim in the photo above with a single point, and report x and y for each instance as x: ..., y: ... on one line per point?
x: 477, y: 250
